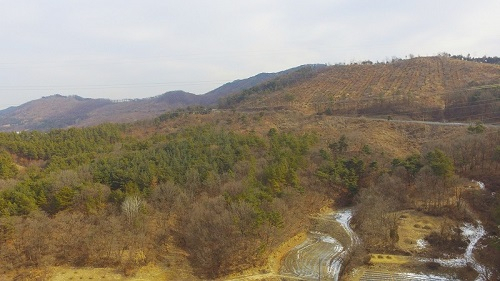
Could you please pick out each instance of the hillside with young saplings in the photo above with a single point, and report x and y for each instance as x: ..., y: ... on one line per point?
x: 437, y: 88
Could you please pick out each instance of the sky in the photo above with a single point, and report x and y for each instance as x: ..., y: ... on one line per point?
x: 137, y: 49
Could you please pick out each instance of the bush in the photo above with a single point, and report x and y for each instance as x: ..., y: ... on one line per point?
x: 432, y: 265
x: 367, y: 259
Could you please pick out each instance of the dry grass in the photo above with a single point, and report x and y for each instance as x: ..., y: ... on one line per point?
x: 389, y: 259
x: 148, y: 272
x: 420, y: 82
x: 414, y: 226
x: 394, y: 139
x: 274, y: 260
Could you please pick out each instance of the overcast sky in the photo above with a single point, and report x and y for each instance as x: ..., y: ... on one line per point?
x: 137, y: 49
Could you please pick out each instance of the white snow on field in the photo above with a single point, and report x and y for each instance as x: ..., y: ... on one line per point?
x: 480, y: 184
x: 422, y: 244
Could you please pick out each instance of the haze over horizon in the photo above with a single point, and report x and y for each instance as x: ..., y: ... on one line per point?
x: 131, y: 49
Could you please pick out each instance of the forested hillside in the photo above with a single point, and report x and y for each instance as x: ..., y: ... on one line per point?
x: 84, y: 196
x: 227, y: 188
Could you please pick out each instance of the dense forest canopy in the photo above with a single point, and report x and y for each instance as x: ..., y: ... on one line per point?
x: 101, y: 174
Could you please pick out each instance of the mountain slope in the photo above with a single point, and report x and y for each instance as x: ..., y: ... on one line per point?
x: 259, y: 79
x: 61, y: 112
x: 139, y: 109
x: 428, y: 87
x: 237, y: 86
x: 49, y: 112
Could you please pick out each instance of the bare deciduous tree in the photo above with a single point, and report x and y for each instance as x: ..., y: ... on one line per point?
x: 131, y: 208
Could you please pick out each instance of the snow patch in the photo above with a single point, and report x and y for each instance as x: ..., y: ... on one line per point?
x: 480, y: 184
x: 329, y: 239
x: 422, y: 244
x: 413, y: 276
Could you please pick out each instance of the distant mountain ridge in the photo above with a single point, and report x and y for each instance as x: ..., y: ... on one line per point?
x: 58, y: 111
x: 236, y: 86
x: 243, y: 84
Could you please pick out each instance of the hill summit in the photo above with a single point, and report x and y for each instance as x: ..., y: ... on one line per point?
x: 437, y: 88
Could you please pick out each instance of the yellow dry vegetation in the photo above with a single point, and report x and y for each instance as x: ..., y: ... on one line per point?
x: 274, y: 260
x: 419, y: 82
x: 414, y: 226
x: 270, y: 271
x: 177, y: 269
x: 392, y: 259
x: 145, y: 273
x: 149, y: 272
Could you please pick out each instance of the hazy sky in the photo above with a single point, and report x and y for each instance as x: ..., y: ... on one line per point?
x: 136, y: 49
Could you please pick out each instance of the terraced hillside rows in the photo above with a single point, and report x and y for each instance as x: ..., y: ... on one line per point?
x: 420, y: 88
x: 383, y: 276
x: 322, y: 255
